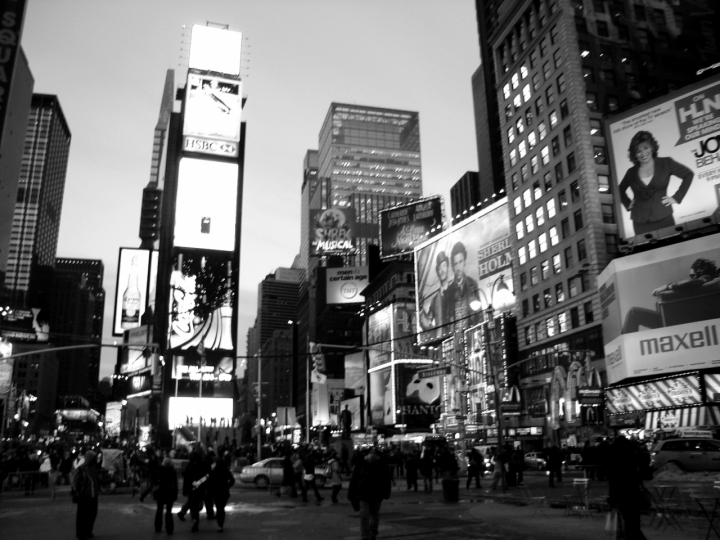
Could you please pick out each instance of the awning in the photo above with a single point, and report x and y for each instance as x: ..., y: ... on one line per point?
x: 686, y: 417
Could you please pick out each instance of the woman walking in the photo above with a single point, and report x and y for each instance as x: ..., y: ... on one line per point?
x: 165, y: 492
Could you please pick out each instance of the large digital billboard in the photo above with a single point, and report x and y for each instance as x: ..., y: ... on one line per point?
x: 215, y: 49
x: 462, y: 271
x: 661, y: 394
x: 382, y: 410
x: 187, y: 411
x: 665, y: 161
x: 344, y: 284
x: 332, y: 231
x: 419, y: 400
x: 409, y: 225
x: 135, y: 287
x: 378, y: 337
x: 206, y: 205
x: 661, y: 310
x: 213, y: 108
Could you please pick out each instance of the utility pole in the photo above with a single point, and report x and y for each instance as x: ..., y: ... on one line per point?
x: 259, y: 433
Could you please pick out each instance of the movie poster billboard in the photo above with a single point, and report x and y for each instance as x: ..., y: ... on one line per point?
x: 661, y: 310
x: 355, y: 407
x: 135, y: 288
x: 406, y: 226
x: 211, y: 123
x: 382, y: 411
x: 113, y: 417
x: 419, y: 400
x: 378, y: 337
x: 332, y: 231
x: 462, y: 271
x: 662, y: 394
x: 206, y: 205
x: 344, y: 284
x: 25, y: 325
x: 665, y: 161
x: 355, y: 372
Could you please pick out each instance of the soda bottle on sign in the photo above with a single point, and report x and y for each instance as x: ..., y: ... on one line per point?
x: 131, y: 299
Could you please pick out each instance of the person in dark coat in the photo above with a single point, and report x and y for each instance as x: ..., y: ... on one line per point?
x: 412, y: 464
x: 369, y: 485
x: 625, y: 486
x: 288, y: 478
x: 299, y: 470
x: 165, y: 493
x: 427, y: 464
x: 208, y: 461
x: 153, y: 468
x: 194, y: 488
x: 220, y: 481
x: 474, y: 461
x: 554, y: 460
x: 86, y: 484
x: 309, y: 464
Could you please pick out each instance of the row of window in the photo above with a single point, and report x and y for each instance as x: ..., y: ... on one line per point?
x: 526, y: 30
x: 558, y: 324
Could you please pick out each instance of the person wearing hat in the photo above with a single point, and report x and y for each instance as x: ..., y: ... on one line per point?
x: 86, y: 486
x: 435, y: 316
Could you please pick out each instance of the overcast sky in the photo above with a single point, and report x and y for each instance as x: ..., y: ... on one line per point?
x: 106, y: 61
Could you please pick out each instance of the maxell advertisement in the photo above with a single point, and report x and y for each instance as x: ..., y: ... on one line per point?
x: 378, y: 337
x: 135, y: 287
x: 419, y: 400
x: 404, y: 227
x: 381, y: 397
x: 206, y: 205
x: 344, y: 285
x: 201, y: 304
x: 662, y: 394
x: 332, y: 231
x: 462, y: 271
x: 661, y: 310
x: 212, y: 117
x: 665, y: 160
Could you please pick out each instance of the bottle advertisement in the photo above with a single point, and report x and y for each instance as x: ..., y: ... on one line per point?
x: 134, y: 289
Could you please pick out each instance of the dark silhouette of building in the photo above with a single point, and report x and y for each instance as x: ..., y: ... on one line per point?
x: 465, y: 196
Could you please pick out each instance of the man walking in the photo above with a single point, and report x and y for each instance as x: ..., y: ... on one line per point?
x: 369, y: 485
x: 553, y: 457
x: 86, y: 486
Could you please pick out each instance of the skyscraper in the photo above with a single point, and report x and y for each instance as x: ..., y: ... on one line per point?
x: 369, y: 157
x: 277, y: 301
x: 36, y: 221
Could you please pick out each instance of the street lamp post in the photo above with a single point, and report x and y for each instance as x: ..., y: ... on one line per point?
x: 489, y: 343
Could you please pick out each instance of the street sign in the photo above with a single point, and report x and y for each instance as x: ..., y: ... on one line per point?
x: 434, y: 372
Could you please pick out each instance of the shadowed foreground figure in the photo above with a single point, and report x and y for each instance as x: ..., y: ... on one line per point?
x: 369, y: 485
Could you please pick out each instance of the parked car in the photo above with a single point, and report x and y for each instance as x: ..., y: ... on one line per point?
x: 690, y: 454
x: 270, y: 472
x: 535, y: 460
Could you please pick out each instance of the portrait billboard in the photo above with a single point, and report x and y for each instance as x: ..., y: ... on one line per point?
x: 462, y: 271
x: 663, y: 394
x: 661, y: 310
x: 406, y: 226
x: 215, y: 49
x: 378, y: 337
x: 206, y: 205
x: 355, y: 407
x: 25, y: 325
x: 419, y: 400
x: 355, y: 372
x: 332, y: 231
x: 382, y: 410
x: 113, y: 417
x: 202, y: 299
x: 665, y: 162
x: 344, y: 284
x: 135, y: 287
x: 213, y: 110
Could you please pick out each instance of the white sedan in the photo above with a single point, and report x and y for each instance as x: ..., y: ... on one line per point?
x: 270, y: 472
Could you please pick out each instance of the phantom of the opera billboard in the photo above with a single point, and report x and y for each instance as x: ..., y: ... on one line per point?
x: 462, y: 271
x: 206, y: 205
x: 212, y: 117
x: 406, y: 226
x: 665, y: 162
x: 661, y: 310
x: 135, y: 288
x: 344, y: 284
x: 332, y: 231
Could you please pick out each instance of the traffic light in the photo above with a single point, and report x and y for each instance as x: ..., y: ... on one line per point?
x: 318, y: 358
x: 150, y: 214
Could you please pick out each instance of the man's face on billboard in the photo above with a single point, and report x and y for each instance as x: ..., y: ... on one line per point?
x: 442, y: 271
x: 458, y: 263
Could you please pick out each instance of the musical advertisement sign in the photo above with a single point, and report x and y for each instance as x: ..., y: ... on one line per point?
x: 332, y: 231
x: 406, y: 226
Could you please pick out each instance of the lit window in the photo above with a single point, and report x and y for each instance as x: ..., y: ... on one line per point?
x: 603, y: 183
x: 545, y: 272
x: 542, y: 130
x: 557, y: 266
x: 526, y: 93
x: 540, y: 216
x: 506, y: 91
x: 523, y: 71
x: 517, y: 204
x: 513, y: 157
x: 511, y: 134
x: 517, y: 101
x: 532, y: 250
x: 515, y: 81
x: 537, y: 192
x: 553, y: 119
x: 527, y: 198
x: 532, y: 140
x: 524, y: 175
x: 542, y: 241
x: 559, y: 293
x: 522, y: 149
x: 545, y: 155
x: 534, y: 164
x: 554, y: 236
x: 522, y: 255
x: 519, y: 230
x: 520, y: 125
x: 529, y: 224
x: 550, y: 326
x: 534, y: 277
x: 562, y: 322
x: 550, y: 208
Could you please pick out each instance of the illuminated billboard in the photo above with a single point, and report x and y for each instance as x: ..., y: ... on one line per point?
x: 187, y: 411
x: 215, y: 368
x: 661, y: 310
x: 215, y: 49
x: 201, y: 304
x: 332, y: 231
x: 344, y: 284
x: 378, y: 337
x: 409, y: 225
x: 213, y: 108
x: 382, y: 410
x: 24, y: 325
x: 462, y: 271
x: 206, y: 205
x: 419, y: 399
x: 355, y: 406
x: 135, y: 288
x: 136, y: 358
x: 661, y: 394
x: 665, y: 161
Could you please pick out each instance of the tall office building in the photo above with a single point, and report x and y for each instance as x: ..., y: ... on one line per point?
x: 277, y: 302
x: 309, y: 188
x: 554, y: 69
x: 36, y: 220
x: 465, y: 196
x: 369, y: 157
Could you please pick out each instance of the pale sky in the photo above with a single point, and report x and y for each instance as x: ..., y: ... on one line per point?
x: 106, y: 61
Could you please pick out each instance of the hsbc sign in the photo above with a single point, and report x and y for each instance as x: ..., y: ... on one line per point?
x: 205, y: 146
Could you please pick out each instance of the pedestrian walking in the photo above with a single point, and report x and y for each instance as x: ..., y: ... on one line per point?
x: 344, y: 455
x: 474, y: 460
x: 194, y: 488
x: 288, y: 478
x: 208, y: 461
x: 220, y: 481
x: 369, y: 486
x: 427, y: 464
x: 625, y: 489
x: 299, y: 470
x: 165, y: 493
x: 309, y: 477
x: 517, y: 463
x: 412, y: 465
x: 64, y: 469
x: 86, y: 488
x: 153, y: 468
x: 498, y: 472
x: 335, y: 478
x: 553, y: 458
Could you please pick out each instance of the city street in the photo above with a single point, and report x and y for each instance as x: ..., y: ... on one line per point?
x: 257, y: 514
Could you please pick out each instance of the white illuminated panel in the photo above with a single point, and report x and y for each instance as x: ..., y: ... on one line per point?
x: 214, y: 49
x: 206, y: 205
x: 212, y: 117
x: 183, y: 409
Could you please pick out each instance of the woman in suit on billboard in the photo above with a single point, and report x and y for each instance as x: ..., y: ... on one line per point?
x: 648, y: 179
